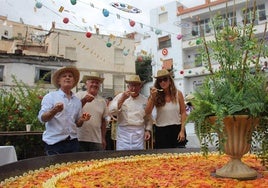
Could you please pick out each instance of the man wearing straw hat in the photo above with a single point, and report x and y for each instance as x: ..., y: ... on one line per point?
x: 92, y: 135
x: 134, y: 126
x: 61, y: 112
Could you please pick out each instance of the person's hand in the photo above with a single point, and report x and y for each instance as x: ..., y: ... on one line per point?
x: 88, y: 98
x: 126, y: 95
x: 153, y: 92
x: 181, y: 136
x: 58, y: 107
x: 147, y: 135
x: 85, y: 116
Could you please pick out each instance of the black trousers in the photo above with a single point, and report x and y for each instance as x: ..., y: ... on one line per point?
x: 166, y: 137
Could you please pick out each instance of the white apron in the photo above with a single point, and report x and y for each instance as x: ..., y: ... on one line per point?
x: 130, y: 138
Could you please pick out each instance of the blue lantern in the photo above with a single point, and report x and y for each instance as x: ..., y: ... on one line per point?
x: 105, y: 12
x: 73, y: 2
x: 38, y: 4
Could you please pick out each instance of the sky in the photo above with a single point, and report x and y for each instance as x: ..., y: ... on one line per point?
x: 85, y: 15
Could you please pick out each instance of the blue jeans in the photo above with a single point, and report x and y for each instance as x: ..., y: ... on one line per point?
x: 65, y: 146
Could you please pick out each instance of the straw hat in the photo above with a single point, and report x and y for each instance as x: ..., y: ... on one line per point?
x: 188, y: 98
x: 92, y: 76
x: 162, y: 73
x: 71, y: 69
x: 134, y: 79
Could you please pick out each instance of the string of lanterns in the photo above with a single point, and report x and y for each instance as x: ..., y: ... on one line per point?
x: 106, y: 13
x: 132, y: 23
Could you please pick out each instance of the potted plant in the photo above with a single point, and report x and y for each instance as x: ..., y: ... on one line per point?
x: 233, y: 94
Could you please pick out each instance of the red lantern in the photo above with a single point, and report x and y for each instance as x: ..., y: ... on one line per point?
x: 164, y: 51
x: 132, y: 23
x: 181, y: 72
x: 88, y: 34
x: 65, y: 20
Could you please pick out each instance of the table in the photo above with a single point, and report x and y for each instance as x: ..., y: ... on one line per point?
x: 7, y: 155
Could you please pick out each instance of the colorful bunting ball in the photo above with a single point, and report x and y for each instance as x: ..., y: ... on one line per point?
x: 65, y: 20
x: 165, y: 51
x: 179, y: 36
x: 73, y: 2
x: 88, y: 34
x: 198, y: 41
x: 189, y: 71
x: 132, y: 23
x: 38, y: 4
x: 158, y: 31
x: 108, y: 44
x: 125, y: 53
x: 105, y: 12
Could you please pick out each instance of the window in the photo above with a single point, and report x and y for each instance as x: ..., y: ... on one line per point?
x: 230, y: 18
x: 168, y: 64
x: 19, y: 36
x: 119, y: 84
x: 163, y: 17
x: 1, y: 73
x: 201, y: 27
x: 164, y: 42
x: 6, y: 32
x: 118, y: 56
x: 198, y: 60
x: 43, y: 75
x: 260, y: 14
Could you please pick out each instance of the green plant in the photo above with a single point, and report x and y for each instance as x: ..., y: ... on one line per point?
x: 235, y: 85
x: 11, y: 118
x: 19, y: 105
x: 144, y: 68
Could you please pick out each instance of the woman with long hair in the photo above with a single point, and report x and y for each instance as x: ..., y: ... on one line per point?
x: 170, y: 112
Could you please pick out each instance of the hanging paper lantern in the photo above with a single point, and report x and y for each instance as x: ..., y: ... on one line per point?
x: 108, y: 44
x: 38, y: 4
x: 158, y: 31
x: 181, y: 72
x: 165, y: 51
x: 179, y: 36
x: 88, y: 34
x: 198, y: 41
x: 132, y: 23
x: 125, y: 52
x: 65, y: 20
x: 105, y: 12
x: 73, y: 2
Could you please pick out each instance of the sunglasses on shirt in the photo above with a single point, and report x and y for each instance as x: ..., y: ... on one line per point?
x: 165, y: 79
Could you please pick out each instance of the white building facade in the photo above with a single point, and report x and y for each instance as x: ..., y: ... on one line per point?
x: 176, y: 46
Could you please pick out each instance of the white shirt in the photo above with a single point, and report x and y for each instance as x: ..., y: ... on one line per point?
x: 169, y: 114
x: 132, y: 112
x: 63, y: 123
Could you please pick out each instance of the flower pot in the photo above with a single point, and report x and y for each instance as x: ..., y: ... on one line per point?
x: 238, y: 131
